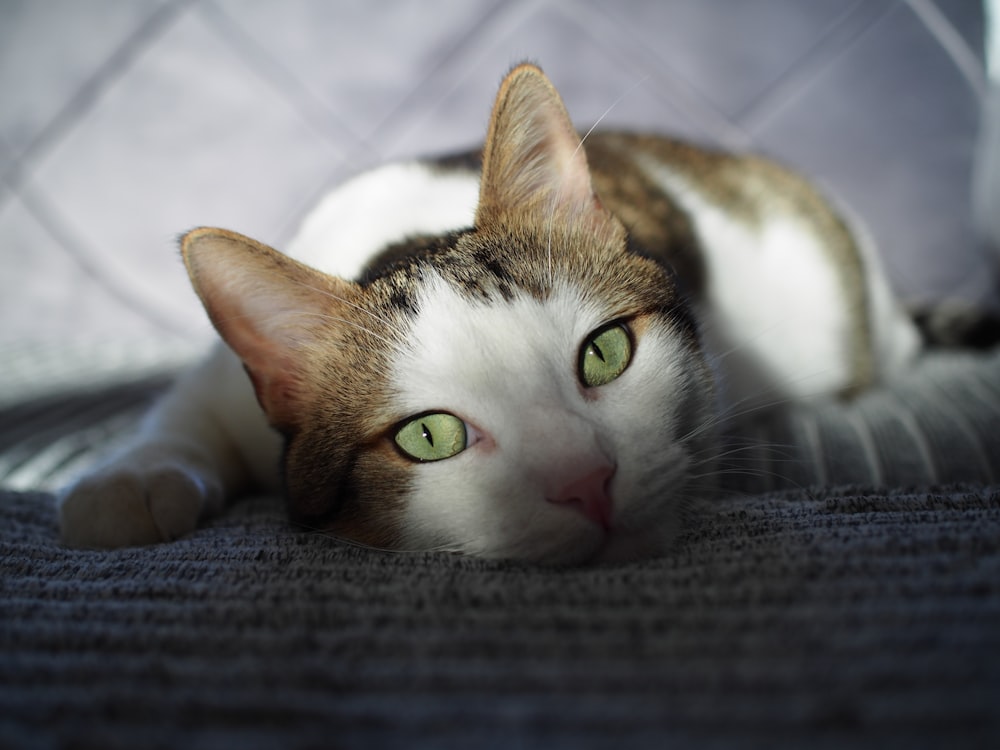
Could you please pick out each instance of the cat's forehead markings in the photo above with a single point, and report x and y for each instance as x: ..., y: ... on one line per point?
x: 459, y: 345
x: 477, y: 271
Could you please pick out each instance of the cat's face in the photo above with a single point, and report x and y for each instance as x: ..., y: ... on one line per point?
x: 556, y: 422
x: 525, y: 388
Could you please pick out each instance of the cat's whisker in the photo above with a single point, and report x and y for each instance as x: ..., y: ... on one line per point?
x: 729, y: 463
x: 754, y: 447
x: 321, y: 316
x: 747, y: 472
x: 579, y: 146
x: 381, y: 319
x: 735, y: 411
x: 351, y: 323
x: 611, y: 108
x: 745, y: 343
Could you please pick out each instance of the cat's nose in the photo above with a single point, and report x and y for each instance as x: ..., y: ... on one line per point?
x: 589, y: 494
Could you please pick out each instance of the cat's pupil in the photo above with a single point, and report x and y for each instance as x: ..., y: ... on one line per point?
x: 597, y: 351
x: 427, y: 434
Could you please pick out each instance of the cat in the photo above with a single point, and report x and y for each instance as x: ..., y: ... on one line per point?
x: 532, y: 361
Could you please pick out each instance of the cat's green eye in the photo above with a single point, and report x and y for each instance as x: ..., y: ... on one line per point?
x: 432, y: 437
x: 605, y: 355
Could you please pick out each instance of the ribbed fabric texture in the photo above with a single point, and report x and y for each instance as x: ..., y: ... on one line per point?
x: 939, y: 424
x: 848, y: 618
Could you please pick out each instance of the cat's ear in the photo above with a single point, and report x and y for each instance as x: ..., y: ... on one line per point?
x: 270, y: 310
x: 533, y: 162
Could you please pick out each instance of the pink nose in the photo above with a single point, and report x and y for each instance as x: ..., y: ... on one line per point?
x: 589, y: 494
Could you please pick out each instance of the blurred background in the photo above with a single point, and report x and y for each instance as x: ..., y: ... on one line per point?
x: 126, y: 122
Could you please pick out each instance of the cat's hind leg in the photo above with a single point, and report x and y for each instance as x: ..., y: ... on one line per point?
x: 204, y: 442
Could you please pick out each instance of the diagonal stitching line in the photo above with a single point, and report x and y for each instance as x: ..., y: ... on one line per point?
x: 48, y: 217
x: 687, y: 98
x: 952, y: 43
x: 821, y: 57
x: 91, y: 90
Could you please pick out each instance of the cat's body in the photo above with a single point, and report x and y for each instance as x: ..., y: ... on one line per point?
x: 531, y: 363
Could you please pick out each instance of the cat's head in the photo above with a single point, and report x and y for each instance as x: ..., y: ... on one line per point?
x: 524, y: 388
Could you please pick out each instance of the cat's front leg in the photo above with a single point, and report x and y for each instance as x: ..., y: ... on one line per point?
x: 152, y: 492
x: 195, y: 449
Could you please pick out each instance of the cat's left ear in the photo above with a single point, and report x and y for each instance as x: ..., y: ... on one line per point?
x: 533, y: 162
x: 272, y: 311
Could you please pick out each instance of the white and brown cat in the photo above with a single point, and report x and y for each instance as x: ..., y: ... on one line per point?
x: 531, y: 360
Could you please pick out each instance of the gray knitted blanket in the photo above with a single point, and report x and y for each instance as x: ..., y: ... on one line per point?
x: 834, y: 612
x: 836, y: 618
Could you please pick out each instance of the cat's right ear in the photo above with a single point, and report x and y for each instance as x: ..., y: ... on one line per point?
x: 534, y: 165
x: 270, y: 310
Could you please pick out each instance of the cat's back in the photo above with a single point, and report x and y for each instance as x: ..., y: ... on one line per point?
x: 657, y: 186
x: 383, y: 207
x: 791, y: 297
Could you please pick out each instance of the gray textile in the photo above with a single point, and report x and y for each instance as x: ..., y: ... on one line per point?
x: 844, y: 591
x: 938, y: 424
x: 828, y: 619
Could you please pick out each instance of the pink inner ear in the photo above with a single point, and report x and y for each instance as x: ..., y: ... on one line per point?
x: 267, y: 307
x: 570, y: 171
x: 271, y: 367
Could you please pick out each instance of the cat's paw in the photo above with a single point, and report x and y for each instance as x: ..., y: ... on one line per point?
x: 139, y: 498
